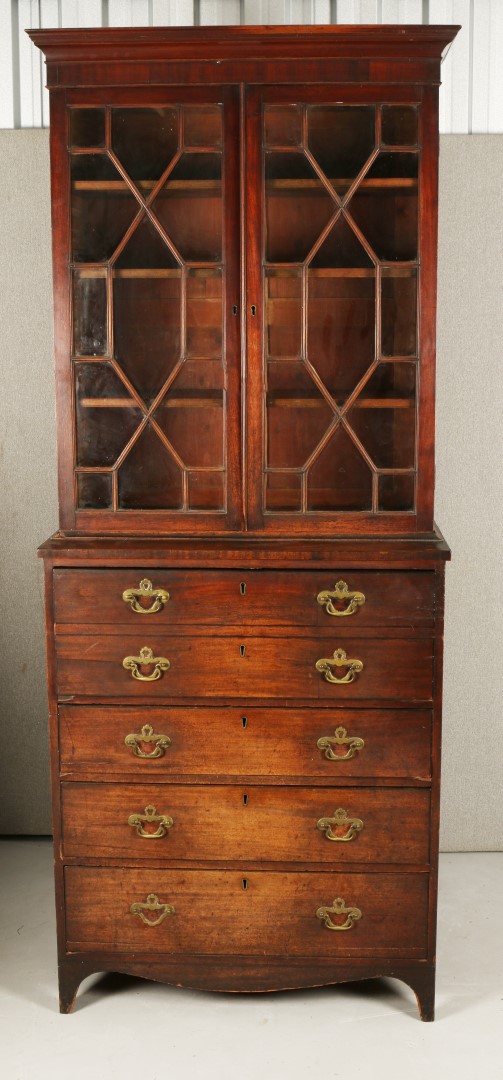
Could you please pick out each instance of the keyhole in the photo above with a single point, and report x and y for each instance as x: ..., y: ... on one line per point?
x: 245, y: 800
x: 234, y: 309
x: 242, y: 650
x: 242, y: 587
x: 253, y: 309
x: 245, y: 883
x: 244, y: 721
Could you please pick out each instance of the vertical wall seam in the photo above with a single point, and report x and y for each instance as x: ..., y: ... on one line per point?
x: 16, y: 76
x: 470, y: 67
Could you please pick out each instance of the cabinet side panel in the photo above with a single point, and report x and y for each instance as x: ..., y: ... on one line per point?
x: 428, y: 205
x: 62, y: 329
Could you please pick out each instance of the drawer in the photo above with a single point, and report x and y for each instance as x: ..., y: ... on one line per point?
x: 244, y: 597
x: 253, y: 742
x: 241, y: 913
x: 225, y: 823
x: 244, y: 667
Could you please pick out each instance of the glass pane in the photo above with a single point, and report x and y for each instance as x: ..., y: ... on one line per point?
x: 340, y: 478
x: 206, y: 491
x: 94, y: 491
x: 283, y: 312
x: 192, y: 414
x: 283, y: 125
x: 89, y: 313
x: 106, y: 416
x: 147, y: 314
x: 103, y: 207
x: 341, y: 328
x: 202, y: 125
x: 399, y: 312
x: 189, y: 207
x: 341, y: 139
x: 145, y: 140
x: 399, y: 125
x: 342, y: 249
x: 204, y: 313
x: 298, y: 207
x: 384, y: 206
x: 146, y: 250
x: 396, y: 492
x: 283, y: 491
x: 384, y: 416
x: 150, y: 478
x: 87, y: 127
x: 297, y: 415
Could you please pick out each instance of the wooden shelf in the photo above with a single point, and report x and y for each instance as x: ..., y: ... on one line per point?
x: 144, y: 272
x: 346, y: 271
x: 119, y: 186
x: 338, y: 183
x: 213, y: 399
x: 315, y: 185
x: 286, y: 401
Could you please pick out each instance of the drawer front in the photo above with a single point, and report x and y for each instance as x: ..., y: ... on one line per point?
x: 335, y: 826
x: 211, y: 912
x: 248, y: 667
x: 244, y: 597
x: 252, y: 742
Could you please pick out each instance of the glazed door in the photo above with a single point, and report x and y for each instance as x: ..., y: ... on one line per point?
x: 333, y: 291
x: 153, y: 334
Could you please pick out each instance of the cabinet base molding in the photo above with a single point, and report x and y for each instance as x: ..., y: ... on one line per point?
x: 226, y: 974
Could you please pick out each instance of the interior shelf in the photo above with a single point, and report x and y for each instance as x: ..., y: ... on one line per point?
x: 342, y: 183
x: 398, y: 270
x: 295, y: 402
x: 272, y: 185
x: 147, y: 185
x: 173, y: 402
x: 281, y: 400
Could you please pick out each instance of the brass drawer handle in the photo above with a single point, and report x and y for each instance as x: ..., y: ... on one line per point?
x: 338, y: 660
x: 339, y: 908
x: 145, y: 591
x: 147, y: 736
x: 340, y: 738
x: 137, y: 821
x: 146, y: 659
x: 152, y: 903
x: 340, y: 820
x: 339, y: 592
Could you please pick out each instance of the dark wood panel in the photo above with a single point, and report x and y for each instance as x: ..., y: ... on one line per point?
x: 248, y: 974
x: 252, y: 552
x: 261, y: 742
x: 258, y: 824
x: 275, y: 914
x: 269, y: 667
x: 243, y: 597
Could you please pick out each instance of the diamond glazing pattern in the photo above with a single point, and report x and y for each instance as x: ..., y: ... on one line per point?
x: 341, y: 278
x: 147, y: 254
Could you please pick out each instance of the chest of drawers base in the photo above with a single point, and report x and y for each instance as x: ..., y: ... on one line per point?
x: 245, y: 763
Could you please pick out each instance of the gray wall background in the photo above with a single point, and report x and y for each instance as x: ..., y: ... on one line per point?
x: 468, y: 493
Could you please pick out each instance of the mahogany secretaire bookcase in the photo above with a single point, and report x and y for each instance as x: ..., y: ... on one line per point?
x: 245, y: 597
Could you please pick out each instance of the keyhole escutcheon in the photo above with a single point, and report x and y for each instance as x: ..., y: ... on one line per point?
x: 254, y: 309
x: 245, y: 800
x: 242, y: 650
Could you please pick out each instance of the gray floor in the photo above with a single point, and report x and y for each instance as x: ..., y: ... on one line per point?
x: 125, y: 1028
